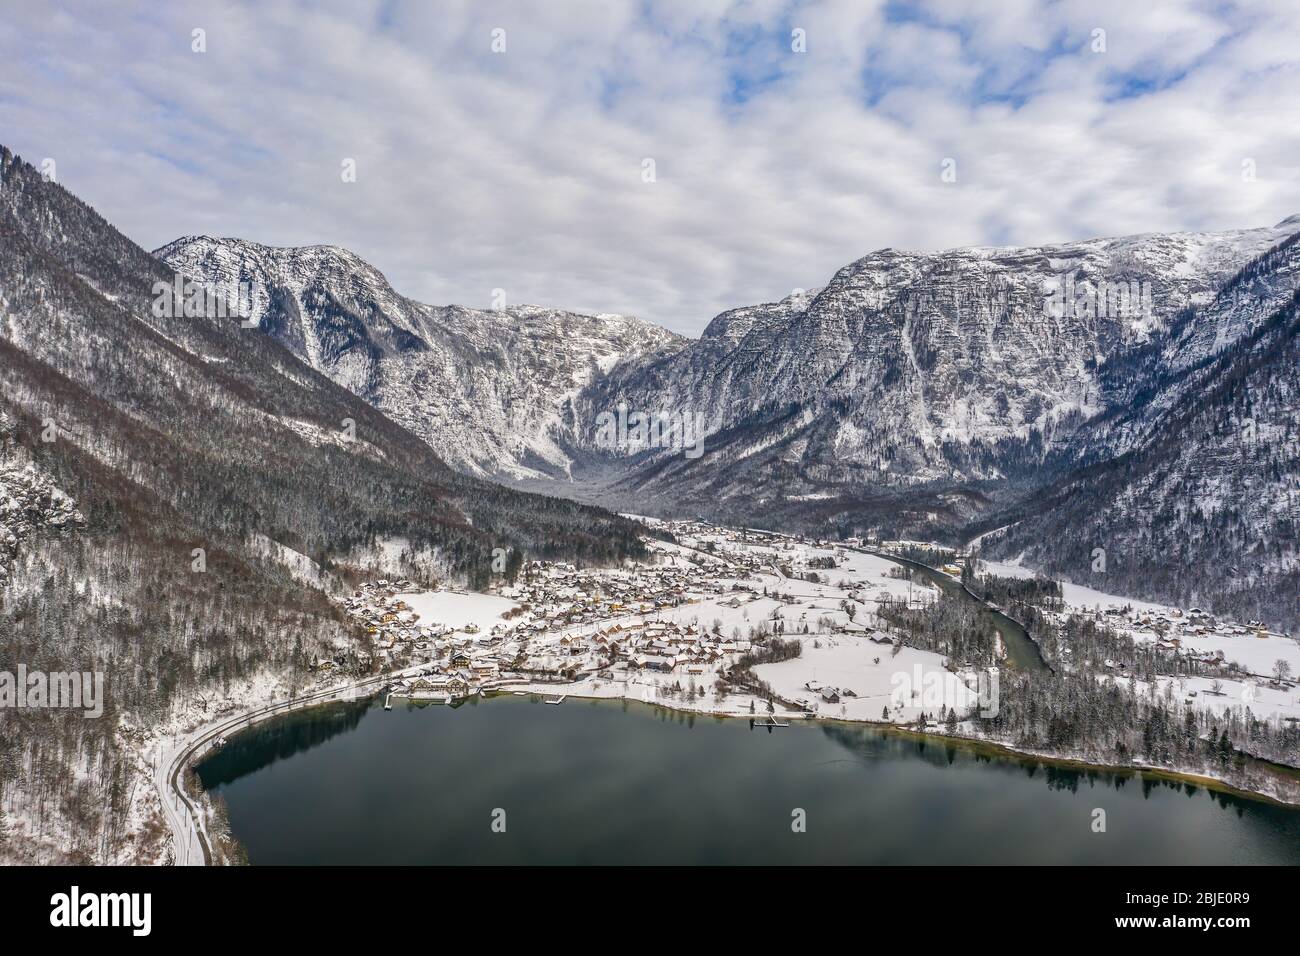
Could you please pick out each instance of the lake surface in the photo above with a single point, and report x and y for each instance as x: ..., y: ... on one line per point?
x: 622, y: 782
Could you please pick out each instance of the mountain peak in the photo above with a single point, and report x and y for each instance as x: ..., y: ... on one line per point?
x: 185, y: 246
x: 484, y: 387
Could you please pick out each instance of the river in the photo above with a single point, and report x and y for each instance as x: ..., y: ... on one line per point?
x: 1023, y: 652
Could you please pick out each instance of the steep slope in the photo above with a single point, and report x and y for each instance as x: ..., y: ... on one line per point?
x: 1190, y: 490
x: 488, y: 390
x: 146, y: 458
x: 80, y: 303
x: 921, y: 394
x: 30, y: 503
x: 1143, y: 384
x: 914, y: 392
x: 942, y: 375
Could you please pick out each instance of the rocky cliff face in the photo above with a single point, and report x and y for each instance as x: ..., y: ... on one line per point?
x: 1189, y: 488
x: 961, y: 365
x: 489, y: 390
x: 924, y: 394
x: 905, y: 369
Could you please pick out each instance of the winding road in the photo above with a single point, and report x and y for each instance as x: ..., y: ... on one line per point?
x: 191, y: 844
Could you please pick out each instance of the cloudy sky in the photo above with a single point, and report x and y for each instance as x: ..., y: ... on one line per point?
x: 525, y: 168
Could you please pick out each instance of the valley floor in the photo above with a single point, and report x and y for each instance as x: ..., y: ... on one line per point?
x: 724, y: 621
x: 701, y: 629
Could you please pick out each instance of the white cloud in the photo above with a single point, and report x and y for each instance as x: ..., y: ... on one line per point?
x: 522, y: 170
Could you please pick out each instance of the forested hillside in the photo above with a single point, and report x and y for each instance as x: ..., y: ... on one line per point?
x: 148, y: 461
x: 1189, y: 491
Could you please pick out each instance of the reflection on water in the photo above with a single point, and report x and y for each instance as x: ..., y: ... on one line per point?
x: 874, y: 744
x: 613, y: 781
x: 265, y: 743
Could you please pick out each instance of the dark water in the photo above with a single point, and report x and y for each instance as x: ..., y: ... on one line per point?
x: 611, y: 782
x: 1022, y: 651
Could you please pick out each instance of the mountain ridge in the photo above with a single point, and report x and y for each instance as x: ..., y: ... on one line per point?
x: 448, y: 373
x: 915, y: 393
x: 165, y: 479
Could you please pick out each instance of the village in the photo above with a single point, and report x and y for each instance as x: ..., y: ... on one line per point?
x: 1253, y: 666
x: 666, y: 630
x: 738, y: 622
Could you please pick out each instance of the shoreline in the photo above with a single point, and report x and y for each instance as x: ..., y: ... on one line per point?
x: 187, y: 829
x: 1267, y: 782
x: 1005, y: 750
x: 202, y: 739
x: 1001, y: 749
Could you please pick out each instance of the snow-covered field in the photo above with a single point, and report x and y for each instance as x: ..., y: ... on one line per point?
x: 845, y: 661
x: 1256, y: 655
x: 1264, y: 701
x: 876, y: 677
x: 456, y: 609
x: 1076, y: 595
x: 1252, y: 653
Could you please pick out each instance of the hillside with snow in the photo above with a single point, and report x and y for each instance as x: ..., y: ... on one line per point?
x: 490, y: 390
x: 1061, y: 390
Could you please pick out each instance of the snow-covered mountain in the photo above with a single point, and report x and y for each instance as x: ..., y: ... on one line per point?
x: 906, y: 369
x: 918, y: 393
x: 915, y: 367
x: 1143, y: 384
x: 490, y: 390
x: 1189, y: 484
x: 1136, y: 395
x: 176, y: 497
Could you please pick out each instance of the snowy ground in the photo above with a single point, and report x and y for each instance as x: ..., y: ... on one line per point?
x: 1265, y: 701
x: 457, y: 609
x: 1076, y: 595
x: 876, y: 676
x: 303, y: 568
x: 1253, y: 654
